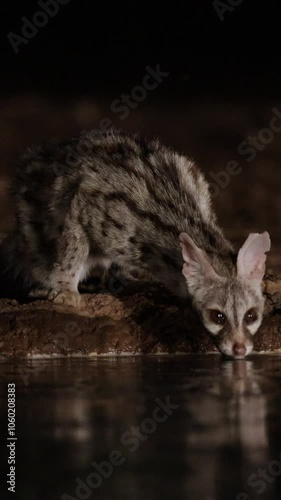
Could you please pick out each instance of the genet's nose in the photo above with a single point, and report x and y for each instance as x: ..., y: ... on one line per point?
x: 239, y: 350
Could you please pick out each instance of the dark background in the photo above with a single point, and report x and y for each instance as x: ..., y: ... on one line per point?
x: 103, y: 47
x: 224, y: 81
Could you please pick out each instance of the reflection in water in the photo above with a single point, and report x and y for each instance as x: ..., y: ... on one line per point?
x: 230, y: 436
x: 73, y: 412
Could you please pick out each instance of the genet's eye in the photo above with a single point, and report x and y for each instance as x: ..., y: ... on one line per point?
x: 217, y: 317
x: 251, y: 316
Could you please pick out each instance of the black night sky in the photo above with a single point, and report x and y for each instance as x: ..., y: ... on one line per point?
x: 89, y: 47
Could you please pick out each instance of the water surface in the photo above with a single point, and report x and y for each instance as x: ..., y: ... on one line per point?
x: 186, y: 427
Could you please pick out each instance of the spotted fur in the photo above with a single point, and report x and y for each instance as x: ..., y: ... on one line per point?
x: 112, y: 198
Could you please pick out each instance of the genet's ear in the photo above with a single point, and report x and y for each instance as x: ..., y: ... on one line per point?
x: 196, y: 260
x: 251, y: 256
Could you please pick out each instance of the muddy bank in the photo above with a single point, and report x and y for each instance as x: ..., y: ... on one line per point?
x: 148, y: 321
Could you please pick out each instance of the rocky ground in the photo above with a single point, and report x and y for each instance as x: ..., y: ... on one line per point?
x: 146, y: 320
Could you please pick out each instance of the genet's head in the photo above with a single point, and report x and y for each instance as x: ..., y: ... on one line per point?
x: 231, y: 307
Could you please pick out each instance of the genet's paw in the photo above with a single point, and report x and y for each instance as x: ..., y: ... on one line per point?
x: 66, y: 298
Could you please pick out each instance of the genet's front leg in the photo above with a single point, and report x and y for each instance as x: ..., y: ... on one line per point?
x: 70, y: 267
